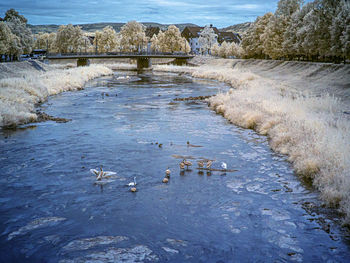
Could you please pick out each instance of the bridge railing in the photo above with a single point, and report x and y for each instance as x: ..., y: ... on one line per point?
x: 114, y: 53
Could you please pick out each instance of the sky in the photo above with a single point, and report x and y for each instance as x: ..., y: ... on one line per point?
x: 220, y: 13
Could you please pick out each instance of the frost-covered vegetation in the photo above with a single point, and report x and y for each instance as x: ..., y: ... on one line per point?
x: 170, y: 41
x: 318, y: 30
x: 22, y: 86
x: 288, y: 102
x: 15, y: 37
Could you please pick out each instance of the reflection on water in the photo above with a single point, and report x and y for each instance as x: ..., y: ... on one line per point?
x: 53, y: 209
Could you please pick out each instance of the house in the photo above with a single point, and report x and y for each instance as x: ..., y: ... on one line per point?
x: 192, y: 33
x: 229, y: 37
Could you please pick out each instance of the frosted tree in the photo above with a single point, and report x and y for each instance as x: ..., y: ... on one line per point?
x: 69, y: 39
x: 5, y: 38
x: 309, y: 33
x: 85, y: 44
x: 339, y: 31
x: 16, y: 48
x: 133, y: 36
x: 186, y: 46
x: 155, y: 43
x: 12, y: 13
x: 345, y: 38
x: 234, y: 50
x: 171, y: 40
x: 223, y: 49
x: 207, y: 38
x: 252, y: 42
x: 46, y: 41
x: 107, y: 39
x: 294, y: 34
x: 326, y: 10
x: 288, y: 7
x: 273, y: 36
x: 215, y: 49
x: 275, y: 31
x: 24, y: 34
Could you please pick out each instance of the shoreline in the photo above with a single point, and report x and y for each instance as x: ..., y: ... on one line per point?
x: 309, y: 127
x: 301, y: 120
x: 25, y: 85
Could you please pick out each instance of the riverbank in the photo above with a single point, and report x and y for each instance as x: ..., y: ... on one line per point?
x: 302, y: 107
x: 25, y: 84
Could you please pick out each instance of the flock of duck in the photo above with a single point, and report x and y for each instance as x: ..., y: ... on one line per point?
x: 100, y: 174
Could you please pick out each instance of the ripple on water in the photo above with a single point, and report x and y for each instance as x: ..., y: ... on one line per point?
x: 86, y: 243
x: 137, y: 253
x: 37, y: 223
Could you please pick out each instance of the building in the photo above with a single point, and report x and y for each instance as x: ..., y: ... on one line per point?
x: 229, y: 37
x: 192, y: 33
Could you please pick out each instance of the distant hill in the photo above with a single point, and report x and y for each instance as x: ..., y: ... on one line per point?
x: 239, y: 28
x: 99, y: 26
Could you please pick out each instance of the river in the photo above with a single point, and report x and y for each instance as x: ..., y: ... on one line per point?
x: 52, y: 209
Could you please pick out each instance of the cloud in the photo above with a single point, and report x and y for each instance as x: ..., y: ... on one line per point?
x: 223, y: 13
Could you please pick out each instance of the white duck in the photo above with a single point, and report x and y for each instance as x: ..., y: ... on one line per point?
x: 167, y: 172
x: 224, y: 166
x: 132, y: 183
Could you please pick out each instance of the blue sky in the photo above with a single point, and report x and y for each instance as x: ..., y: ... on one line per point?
x: 220, y: 13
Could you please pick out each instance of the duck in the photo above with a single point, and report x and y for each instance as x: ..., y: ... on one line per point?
x: 187, y: 163
x: 200, y: 164
x: 224, y: 166
x: 133, y: 189
x: 132, y: 183
x: 209, y: 163
x: 167, y: 172
x: 182, y: 165
x: 165, y: 180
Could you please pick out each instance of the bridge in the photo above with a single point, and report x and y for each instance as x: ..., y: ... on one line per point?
x: 143, y: 59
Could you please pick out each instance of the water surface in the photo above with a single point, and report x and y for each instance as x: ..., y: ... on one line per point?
x: 52, y: 210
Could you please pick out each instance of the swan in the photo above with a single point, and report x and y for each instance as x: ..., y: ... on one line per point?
x: 224, y: 166
x: 209, y: 163
x: 132, y: 183
x: 167, y: 172
x: 100, y: 174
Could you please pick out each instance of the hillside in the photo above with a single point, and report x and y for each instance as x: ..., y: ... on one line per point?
x: 238, y: 28
x: 99, y: 26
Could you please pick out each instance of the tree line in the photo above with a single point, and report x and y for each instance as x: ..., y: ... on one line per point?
x: 17, y: 39
x: 131, y: 38
x: 316, y: 31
